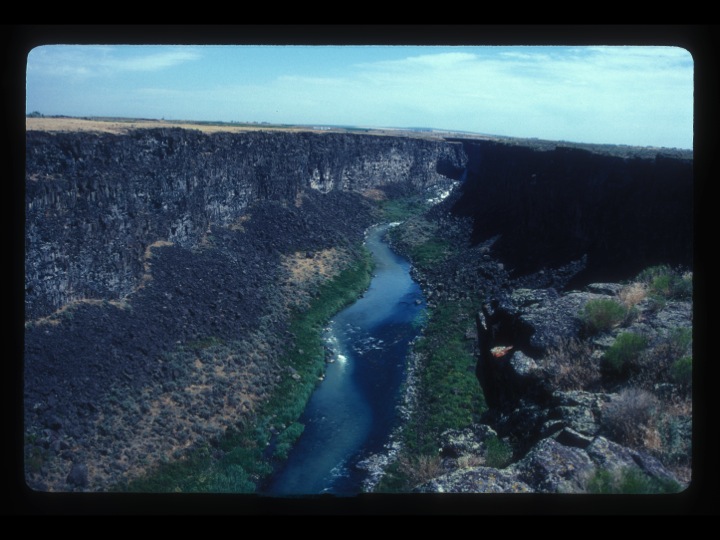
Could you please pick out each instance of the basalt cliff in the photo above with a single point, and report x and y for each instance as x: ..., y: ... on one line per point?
x: 148, y: 252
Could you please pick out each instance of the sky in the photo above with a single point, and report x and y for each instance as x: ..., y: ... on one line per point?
x: 635, y: 95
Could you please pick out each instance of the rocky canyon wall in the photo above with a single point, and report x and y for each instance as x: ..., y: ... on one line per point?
x: 95, y: 202
x: 551, y: 205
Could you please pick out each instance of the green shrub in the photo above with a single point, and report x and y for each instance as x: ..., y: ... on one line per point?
x: 655, y: 366
x: 499, y: 453
x: 629, y: 481
x: 664, y: 282
x: 682, y: 371
x: 680, y: 339
x: 449, y: 395
x: 429, y: 253
x: 602, y: 314
x: 287, y: 438
x: 675, y: 432
x: 622, y: 356
x: 402, y: 208
x: 234, y: 479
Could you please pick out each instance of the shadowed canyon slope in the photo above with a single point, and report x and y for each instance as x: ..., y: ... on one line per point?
x: 147, y: 253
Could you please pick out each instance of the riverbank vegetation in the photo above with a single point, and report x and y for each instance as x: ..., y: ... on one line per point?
x: 243, y: 456
x: 448, y: 397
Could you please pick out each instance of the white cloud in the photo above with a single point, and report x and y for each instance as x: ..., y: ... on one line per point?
x: 153, y: 62
x: 88, y: 60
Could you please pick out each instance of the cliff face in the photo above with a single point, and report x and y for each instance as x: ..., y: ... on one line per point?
x: 168, y: 262
x: 95, y: 202
x: 549, y: 207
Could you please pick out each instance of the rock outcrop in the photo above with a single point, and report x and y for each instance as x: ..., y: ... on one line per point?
x: 564, y: 439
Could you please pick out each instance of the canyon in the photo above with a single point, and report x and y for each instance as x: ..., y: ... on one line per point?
x: 163, y: 267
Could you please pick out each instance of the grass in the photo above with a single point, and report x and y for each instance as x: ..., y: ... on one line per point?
x: 429, y: 253
x: 449, y: 394
x: 665, y: 282
x: 286, y: 439
x: 451, y: 397
x: 238, y: 461
x: 603, y: 314
x: 498, y: 453
x: 629, y: 481
x: 631, y: 417
x: 399, y: 209
x: 571, y: 366
x: 620, y: 358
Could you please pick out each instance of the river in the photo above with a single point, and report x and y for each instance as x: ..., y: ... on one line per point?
x: 352, y: 412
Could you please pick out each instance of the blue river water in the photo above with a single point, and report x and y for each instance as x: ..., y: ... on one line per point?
x: 352, y: 412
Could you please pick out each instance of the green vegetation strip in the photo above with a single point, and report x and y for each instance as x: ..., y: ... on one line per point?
x: 401, y: 209
x: 449, y: 394
x: 239, y: 461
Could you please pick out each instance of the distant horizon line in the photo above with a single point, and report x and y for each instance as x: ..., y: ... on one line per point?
x: 37, y: 114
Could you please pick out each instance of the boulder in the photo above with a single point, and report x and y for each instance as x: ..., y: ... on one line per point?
x: 476, y: 480
x: 613, y: 457
x: 552, y: 467
x: 470, y: 441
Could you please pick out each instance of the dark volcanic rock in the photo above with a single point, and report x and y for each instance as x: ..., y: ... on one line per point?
x: 551, y: 467
x: 550, y: 206
x: 471, y: 441
x: 78, y: 475
x: 95, y: 202
x: 476, y: 480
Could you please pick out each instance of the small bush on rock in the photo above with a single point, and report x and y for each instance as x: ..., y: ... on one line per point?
x: 420, y: 469
x: 499, y: 453
x: 571, y: 366
x: 622, y: 356
x: 656, y: 365
x: 664, y: 282
x: 632, y: 294
x: 682, y: 372
x: 603, y: 314
x: 629, y: 417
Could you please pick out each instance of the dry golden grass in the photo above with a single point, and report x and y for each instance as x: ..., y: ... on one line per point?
x: 374, y: 194
x: 421, y: 469
x: 120, y: 127
x: 109, y: 126
x: 55, y: 317
x: 571, y: 366
x: 633, y: 294
x: 303, y: 273
x: 469, y: 461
